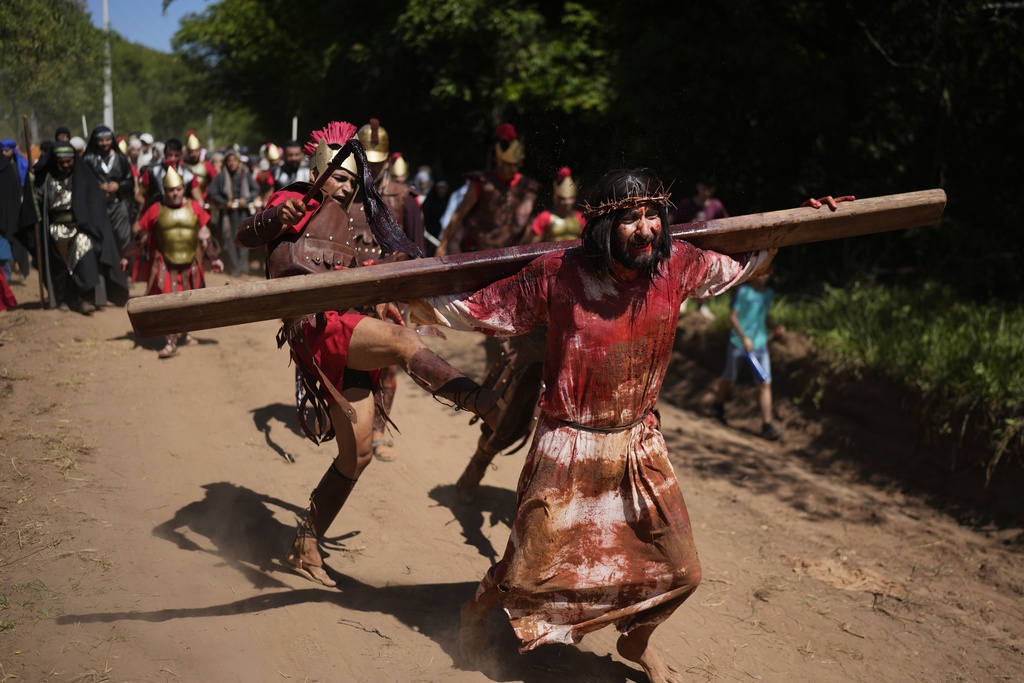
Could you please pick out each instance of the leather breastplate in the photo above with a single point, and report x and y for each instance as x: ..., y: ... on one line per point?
x: 501, y: 213
x: 326, y: 242
x: 177, y: 233
x: 395, y: 195
x: 362, y: 236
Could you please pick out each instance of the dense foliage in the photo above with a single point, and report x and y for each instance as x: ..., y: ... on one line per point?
x: 51, y: 61
x: 962, y: 359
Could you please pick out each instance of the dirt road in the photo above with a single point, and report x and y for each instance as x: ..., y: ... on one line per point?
x: 145, y: 505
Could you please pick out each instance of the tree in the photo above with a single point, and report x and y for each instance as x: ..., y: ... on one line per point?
x: 50, y: 63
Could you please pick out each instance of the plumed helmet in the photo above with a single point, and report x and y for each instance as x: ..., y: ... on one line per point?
x: 565, y: 186
x: 192, y: 142
x: 508, y: 148
x: 326, y: 142
x: 399, y: 169
x: 375, y: 141
x: 172, y: 179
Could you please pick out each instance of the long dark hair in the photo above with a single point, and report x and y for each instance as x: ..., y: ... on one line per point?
x: 385, y: 228
x: 615, y: 188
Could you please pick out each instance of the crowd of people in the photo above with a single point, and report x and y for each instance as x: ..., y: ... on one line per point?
x: 578, y: 342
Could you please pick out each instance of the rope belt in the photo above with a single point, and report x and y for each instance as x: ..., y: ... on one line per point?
x: 606, y: 430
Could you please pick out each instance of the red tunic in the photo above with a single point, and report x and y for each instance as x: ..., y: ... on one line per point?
x: 601, y: 534
x: 328, y: 343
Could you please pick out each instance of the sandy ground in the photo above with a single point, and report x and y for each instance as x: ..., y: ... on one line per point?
x: 145, y: 505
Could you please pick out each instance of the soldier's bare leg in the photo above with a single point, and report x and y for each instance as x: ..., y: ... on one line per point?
x: 354, y: 453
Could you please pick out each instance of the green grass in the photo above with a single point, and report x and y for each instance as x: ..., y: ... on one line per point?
x: 964, y: 358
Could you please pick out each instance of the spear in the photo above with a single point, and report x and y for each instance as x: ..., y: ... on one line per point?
x: 39, y: 239
x: 236, y: 304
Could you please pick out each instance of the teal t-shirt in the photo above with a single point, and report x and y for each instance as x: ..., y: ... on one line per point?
x: 751, y: 308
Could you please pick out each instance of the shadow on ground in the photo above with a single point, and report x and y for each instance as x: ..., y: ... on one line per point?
x: 239, y: 528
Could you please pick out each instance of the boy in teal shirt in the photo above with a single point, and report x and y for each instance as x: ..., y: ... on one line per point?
x: 748, y: 343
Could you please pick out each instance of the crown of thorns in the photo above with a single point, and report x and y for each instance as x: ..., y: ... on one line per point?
x: 660, y: 196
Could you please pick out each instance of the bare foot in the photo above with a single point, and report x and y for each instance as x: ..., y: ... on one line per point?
x: 474, y: 641
x: 656, y: 668
x: 304, y: 559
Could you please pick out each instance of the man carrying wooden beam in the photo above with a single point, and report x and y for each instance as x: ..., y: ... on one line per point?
x: 601, y: 534
x: 339, y: 353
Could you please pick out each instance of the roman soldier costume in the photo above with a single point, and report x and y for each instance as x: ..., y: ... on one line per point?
x: 203, y: 171
x: 177, y: 241
x: 502, y: 210
x: 549, y: 226
x: 325, y: 239
x: 397, y: 195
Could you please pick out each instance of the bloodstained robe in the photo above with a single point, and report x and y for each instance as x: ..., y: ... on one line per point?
x: 601, y: 534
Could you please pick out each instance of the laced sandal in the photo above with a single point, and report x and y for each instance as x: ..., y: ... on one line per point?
x: 316, y: 573
x: 187, y: 340
x: 168, y: 351
x: 384, y: 449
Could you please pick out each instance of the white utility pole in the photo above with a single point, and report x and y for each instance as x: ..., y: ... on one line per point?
x: 108, y: 87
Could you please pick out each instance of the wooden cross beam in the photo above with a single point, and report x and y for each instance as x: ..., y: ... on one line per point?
x: 302, y: 295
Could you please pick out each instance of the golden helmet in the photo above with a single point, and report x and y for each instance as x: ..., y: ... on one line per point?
x: 565, y: 186
x: 122, y: 145
x: 273, y: 152
x: 350, y: 165
x: 375, y: 141
x: 192, y: 142
x: 325, y: 153
x: 508, y: 148
x: 399, y: 169
x: 172, y: 179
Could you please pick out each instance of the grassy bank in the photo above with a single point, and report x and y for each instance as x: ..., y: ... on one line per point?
x: 965, y: 359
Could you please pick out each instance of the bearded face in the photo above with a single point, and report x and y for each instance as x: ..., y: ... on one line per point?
x: 292, y: 157
x: 65, y: 165
x: 636, y: 238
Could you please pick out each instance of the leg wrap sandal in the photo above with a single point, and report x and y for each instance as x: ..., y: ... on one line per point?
x: 434, y: 374
x: 469, y: 482
x: 505, y: 417
x: 325, y: 502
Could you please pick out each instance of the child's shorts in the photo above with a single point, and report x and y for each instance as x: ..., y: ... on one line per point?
x: 736, y: 358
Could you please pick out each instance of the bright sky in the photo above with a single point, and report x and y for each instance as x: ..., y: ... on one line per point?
x: 142, y: 21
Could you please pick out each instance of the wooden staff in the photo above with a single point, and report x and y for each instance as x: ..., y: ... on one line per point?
x: 39, y: 237
x: 339, y: 290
